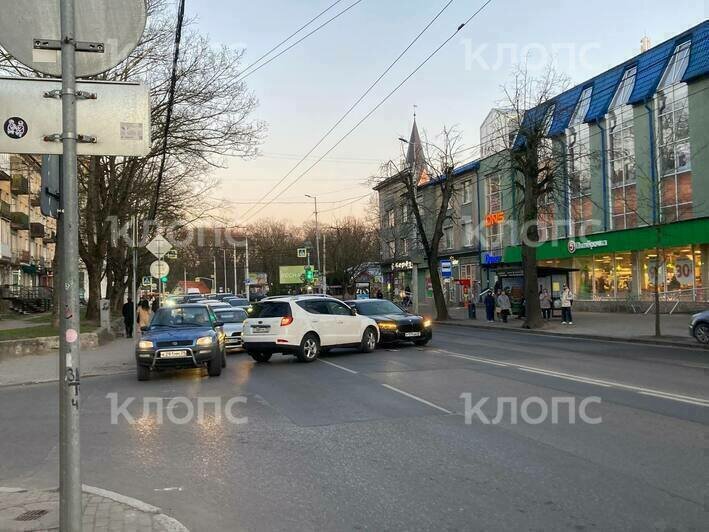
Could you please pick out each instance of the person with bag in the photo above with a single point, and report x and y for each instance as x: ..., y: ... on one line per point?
x: 503, y: 301
x: 567, y: 299
x: 545, y: 304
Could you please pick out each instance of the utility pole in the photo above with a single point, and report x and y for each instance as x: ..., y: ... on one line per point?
x: 236, y: 284
x: 134, y: 288
x: 214, y: 275
x: 184, y: 280
x: 247, y: 281
x: 324, y: 263
x: 225, y: 281
x: 317, y: 238
x: 70, y: 507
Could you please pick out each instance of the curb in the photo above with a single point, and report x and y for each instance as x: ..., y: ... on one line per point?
x: 53, y: 379
x: 172, y: 524
x: 637, y: 340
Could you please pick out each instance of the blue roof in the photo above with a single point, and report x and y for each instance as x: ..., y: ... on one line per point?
x: 467, y: 167
x: 650, y: 67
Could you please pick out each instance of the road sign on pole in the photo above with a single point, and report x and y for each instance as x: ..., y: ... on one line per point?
x: 159, y: 246
x: 46, y: 36
x: 159, y: 269
x: 302, y: 253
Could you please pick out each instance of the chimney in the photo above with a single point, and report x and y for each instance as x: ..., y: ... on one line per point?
x: 645, y: 44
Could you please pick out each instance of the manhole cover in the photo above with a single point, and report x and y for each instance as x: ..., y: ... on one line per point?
x: 31, y: 515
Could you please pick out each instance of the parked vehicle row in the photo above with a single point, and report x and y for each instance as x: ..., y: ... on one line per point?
x: 200, y: 333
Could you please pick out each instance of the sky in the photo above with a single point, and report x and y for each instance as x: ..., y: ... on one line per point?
x: 305, y: 91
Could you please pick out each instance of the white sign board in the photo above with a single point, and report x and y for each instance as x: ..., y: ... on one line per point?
x: 684, y: 271
x: 118, y: 119
x: 302, y: 253
x: 159, y: 246
x: 159, y: 269
x: 147, y: 281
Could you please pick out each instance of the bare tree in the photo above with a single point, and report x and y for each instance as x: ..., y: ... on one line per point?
x: 431, y: 165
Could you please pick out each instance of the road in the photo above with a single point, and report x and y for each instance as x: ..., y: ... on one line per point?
x: 380, y: 441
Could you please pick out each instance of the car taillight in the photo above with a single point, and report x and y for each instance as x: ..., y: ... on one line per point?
x: 286, y: 320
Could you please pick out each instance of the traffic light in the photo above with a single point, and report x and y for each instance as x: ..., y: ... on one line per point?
x: 163, y: 279
x: 309, y: 275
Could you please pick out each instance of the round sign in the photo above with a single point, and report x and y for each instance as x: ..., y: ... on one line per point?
x: 159, y: 269
x: 15, y: 127
x: 571, y: 246
x: 115, y: 25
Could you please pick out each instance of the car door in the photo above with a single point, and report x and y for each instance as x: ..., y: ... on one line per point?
x: 346, y: 325
x: 321, y: 321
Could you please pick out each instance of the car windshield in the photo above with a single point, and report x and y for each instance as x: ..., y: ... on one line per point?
x: 180, y: 317
x: 269, y: 309
x: 373, y: 308
x: 231, y: 316
x: 238, y: 302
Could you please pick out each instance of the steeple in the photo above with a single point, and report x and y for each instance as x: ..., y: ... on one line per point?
x: 415, y: 156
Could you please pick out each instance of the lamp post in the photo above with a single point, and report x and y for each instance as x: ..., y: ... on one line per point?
x: 317, y: 238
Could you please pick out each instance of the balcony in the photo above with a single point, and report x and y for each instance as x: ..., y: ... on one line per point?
x: 51, y: 238
x: 35, y: 201
x: 5, y: 210
x: 36, y: 230
x: 24, y: 256
x: 19, y: 221
x: 20, y: 185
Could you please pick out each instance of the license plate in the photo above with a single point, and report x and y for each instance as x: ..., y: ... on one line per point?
x: 260, y: 329
x: 173, y: 354
x: 412, y: 334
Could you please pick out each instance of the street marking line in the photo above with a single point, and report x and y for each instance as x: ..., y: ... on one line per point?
x: 416, y: 398
x: 587, y: 380
x: 343, y: 368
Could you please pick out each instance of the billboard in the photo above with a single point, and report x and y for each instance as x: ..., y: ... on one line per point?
x: 291, y: 274
x: 258, y: 278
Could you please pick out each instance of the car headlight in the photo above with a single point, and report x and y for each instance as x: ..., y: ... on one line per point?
x: 426, y: 323
x: 146, y: 344
x: 387, y: 325
x: 205, y: 341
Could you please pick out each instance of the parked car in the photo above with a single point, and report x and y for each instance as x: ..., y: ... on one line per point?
x: 305, y: 325
x: 699, y: 327
x: 233, y: 320
x: 237, y: 302
x: 184, y: 336
x: 395, y: 324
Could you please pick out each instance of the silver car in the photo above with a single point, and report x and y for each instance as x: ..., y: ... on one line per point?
x: 699, y: 327
x: 233, y: 320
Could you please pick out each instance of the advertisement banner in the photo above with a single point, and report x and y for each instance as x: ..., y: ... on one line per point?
x: 291, y: 274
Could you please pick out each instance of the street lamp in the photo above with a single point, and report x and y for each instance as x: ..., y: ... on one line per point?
x: 317, y: 242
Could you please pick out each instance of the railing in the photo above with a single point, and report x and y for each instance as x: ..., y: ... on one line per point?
x: 5, y: 210
x: 36, y: 230
x: 20, y: 185
x: 19, y: 221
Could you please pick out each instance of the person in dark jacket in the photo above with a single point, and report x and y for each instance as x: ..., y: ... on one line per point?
x: 489, y: 301
x: 128, y: 317
x: 379, y: 294
x: 156, y: 304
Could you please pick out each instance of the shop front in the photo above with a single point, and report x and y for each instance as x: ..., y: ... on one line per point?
x: 398, y: 279
x: 623, y: 265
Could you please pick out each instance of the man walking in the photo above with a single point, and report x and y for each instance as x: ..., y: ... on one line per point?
x: 128, y: 317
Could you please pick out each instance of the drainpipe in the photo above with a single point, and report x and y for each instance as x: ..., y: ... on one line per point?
x: 653, y: 162
x: 604, y: 174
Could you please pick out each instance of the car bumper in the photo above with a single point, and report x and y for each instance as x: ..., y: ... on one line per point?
x: 234, y: 343
x: 195, y: 357
x: 389, y: 335
x: 269, y: 347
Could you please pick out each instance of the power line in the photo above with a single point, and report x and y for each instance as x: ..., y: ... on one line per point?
x: 296, y: 32
x: 376, y: 107
x: 279, y: 54
x: 357, y: 102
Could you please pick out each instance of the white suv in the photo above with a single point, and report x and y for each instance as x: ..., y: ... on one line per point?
x: 305, y: 325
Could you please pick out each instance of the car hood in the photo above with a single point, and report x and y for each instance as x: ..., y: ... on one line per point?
x: 182, y: 333
x: 396, y: 318
x: 230, y: 328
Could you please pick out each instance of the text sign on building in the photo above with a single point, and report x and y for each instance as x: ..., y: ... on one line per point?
x: 491, y: 259
x: 446, y: 269
x: 405, y: 265
x: 586, y: 244
x: 494, y: 218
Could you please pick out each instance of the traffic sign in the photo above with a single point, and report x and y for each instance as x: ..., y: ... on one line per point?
x: 159, y: 269
x: 159, y: 246
x: 446, y: 269
x: 115, y: 122
x: 30, y: 31
x: 302, y: 253
x: 172, y: 254
x: 147, y: 281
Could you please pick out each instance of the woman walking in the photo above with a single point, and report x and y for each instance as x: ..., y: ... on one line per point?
x: 545, y: 304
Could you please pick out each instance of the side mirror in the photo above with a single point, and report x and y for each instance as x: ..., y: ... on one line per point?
x: 219, y: 324
x: 353, y: 311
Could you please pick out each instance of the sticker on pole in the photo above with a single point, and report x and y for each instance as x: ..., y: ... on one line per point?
x: 15, y: 127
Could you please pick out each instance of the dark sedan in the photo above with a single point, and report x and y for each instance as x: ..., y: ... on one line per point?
x: 395, y: 324
x: 185, y: 336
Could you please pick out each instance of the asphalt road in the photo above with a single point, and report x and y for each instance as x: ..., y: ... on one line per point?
x: 379, y: 441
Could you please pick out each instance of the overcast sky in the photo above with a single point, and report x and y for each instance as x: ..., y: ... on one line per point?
x: 303, y: 92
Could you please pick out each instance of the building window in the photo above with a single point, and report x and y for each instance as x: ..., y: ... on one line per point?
x: 493, y: 204
x: 448, y: 237
x: 625, y: 88
x: 545, y: 221
x: 404, y: 246
x: 404, y: 213
x: 579, y: 167
x: 390, y: 249
x: 390, y: 218
x: 673, y: 147
x: 467, y: 192
x: 467, y: 233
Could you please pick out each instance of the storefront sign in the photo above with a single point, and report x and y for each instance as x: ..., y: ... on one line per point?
x: 494, y: 218
x: 684, y: 271
x: 405, y: 265
x: 586, y: 244
x: 491, y: 259
x: 463, y: 282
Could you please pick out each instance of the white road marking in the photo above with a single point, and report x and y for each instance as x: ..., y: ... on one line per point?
x: 338, y: 366
x: 173, y: 488
x: 416, y: 398
x: 587, y: 380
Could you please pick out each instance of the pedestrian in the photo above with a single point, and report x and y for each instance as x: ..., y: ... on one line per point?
x: 156, y: 304
x: 489, y: 301
x: 545, y: 304
x: 128, y: 317
x: 567, y: 299
x: 144, y: 314
x: 503, y: 301
x: 379, y: 294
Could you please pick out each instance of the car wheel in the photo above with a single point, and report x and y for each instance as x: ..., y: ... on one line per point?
x: 309, y: 348
x: 143, y: 373
x: 423, y: 342
x: 261, y: 357
x: 369, y: 341
x: 214, y: 366
x: 701, y: 333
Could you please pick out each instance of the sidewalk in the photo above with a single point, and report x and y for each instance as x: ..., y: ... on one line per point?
x: 617, y: 326
x: 114, y: 357
x: 103, y: 511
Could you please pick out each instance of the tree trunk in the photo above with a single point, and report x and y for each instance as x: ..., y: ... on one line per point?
x: 438, y: 299
x: 530, y: 239
x: 92, y: 306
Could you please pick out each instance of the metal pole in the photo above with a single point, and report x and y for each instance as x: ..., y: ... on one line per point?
x: 317, y: 239
x: 135, y: 277
x: 415, y: 287
x: 184, y: 280
x: 214, y: 276
x: 69, y: 375
x: 247, y: 282
x: 324, y: 264
x: 225, y: 281
x: 236, y: 284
